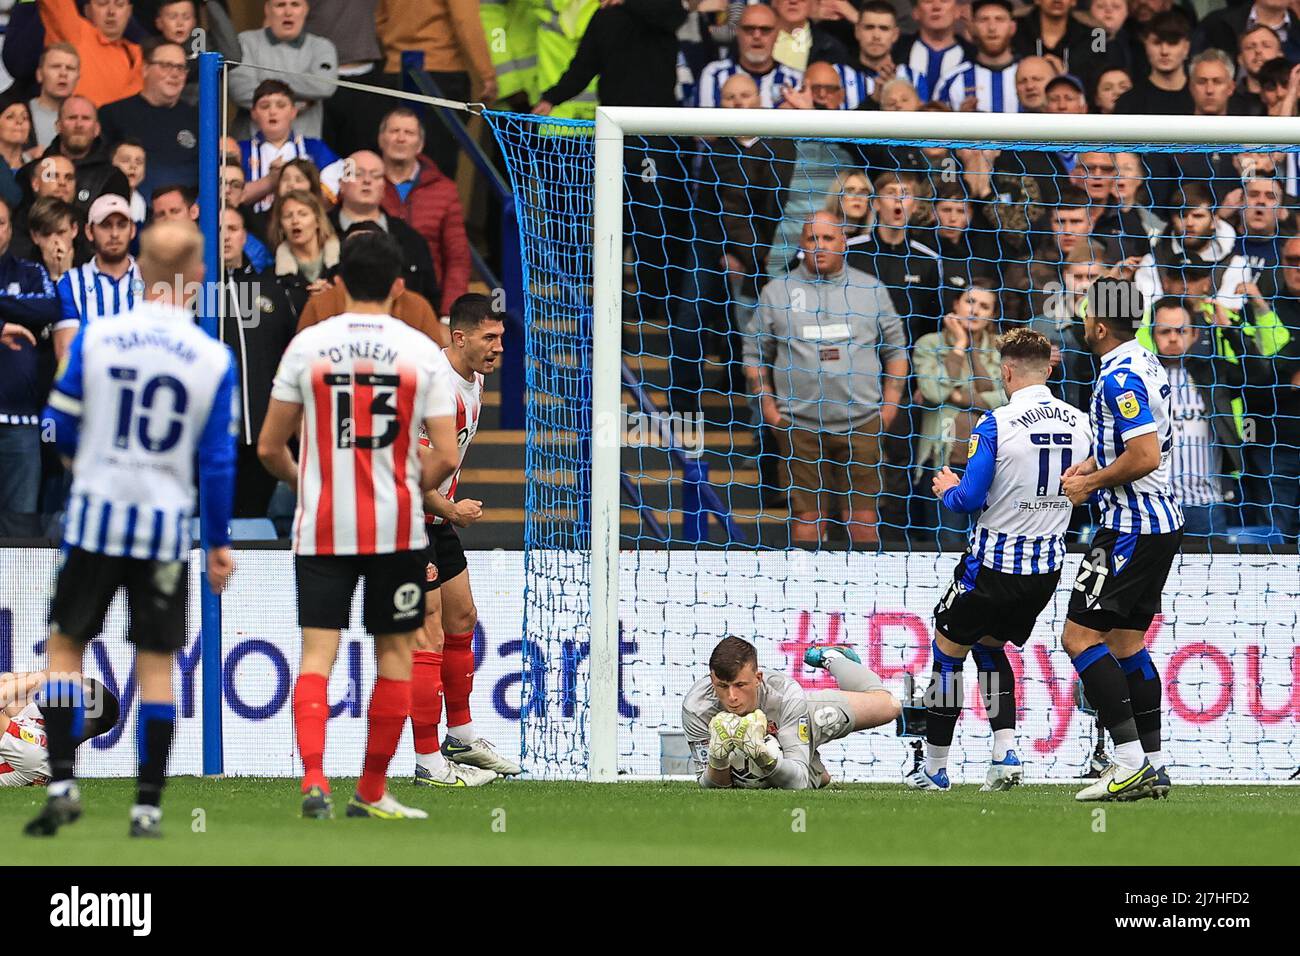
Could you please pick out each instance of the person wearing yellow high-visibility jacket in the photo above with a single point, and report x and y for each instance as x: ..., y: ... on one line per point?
x: 510, y: 27
x: 560, y: 27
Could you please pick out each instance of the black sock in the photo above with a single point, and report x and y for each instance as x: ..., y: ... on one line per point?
x: 1145, y: 692
x: 943, y: 698
x: 156, y: 724
x: 63, y: 708
x: 997, y: 686
x: 1107, y: 690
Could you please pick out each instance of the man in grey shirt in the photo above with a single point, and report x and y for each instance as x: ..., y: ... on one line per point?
x: 825, y: 356
x: 754, y: 730
x: 283, y: 44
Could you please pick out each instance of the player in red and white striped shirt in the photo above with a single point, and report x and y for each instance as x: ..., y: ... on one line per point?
x: 356, y: 389
x: 445, y: 668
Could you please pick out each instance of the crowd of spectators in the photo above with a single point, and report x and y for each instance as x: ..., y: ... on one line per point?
x: 796, y: 261
x: 99, y: 135
x: 909, y: 260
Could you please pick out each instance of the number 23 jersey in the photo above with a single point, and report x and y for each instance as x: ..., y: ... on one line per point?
x: 366, y: 383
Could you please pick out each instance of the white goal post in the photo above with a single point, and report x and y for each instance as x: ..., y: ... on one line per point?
x: 614, y: 124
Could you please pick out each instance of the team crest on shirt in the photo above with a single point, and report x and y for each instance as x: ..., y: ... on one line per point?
x: 1127, y: 404
x: 972, y: 446
x: 430, y: 572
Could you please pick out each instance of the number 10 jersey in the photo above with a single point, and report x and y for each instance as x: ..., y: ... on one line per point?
x: 366, y: 383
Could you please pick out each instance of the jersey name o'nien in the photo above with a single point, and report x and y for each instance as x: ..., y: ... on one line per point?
x: 365, y: 382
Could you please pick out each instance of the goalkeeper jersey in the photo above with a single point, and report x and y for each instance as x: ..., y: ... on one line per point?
x: 784, y: 703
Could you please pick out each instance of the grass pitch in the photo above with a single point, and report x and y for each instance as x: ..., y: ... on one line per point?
x: 255, y: 821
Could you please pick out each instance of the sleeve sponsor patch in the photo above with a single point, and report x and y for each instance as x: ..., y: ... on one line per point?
x: 1127, y: 404
x: 972, y: 446
x: 804, y: 735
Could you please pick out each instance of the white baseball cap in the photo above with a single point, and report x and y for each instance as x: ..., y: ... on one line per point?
x: 106, y: 205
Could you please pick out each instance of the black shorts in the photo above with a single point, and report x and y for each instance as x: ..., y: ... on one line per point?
x: 157, y: 595
x: 1121, y: 579
x: 392, y: 598
x: 983, y: 603
x: 444, y: 556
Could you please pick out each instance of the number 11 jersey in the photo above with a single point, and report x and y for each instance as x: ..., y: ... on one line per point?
x: 366, y: 383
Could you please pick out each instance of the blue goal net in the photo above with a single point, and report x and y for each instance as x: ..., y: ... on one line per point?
x: 810, y: 336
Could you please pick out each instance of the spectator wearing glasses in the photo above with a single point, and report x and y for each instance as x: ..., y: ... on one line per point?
x: 1271, y: 402
x: 111, y: 65
x: 1122, y: 230
x: 755, y: 40
x: 158, y: 118
x: 1206, y: 449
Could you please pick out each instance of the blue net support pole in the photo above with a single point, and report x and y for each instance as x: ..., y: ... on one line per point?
x: 209, y: 303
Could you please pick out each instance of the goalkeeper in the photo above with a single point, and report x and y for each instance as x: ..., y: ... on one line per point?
x: 754, y: 730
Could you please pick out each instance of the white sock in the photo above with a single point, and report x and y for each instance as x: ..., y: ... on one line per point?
x: 1130, y: 754
x: 1157, y: 758
x: 1003, y: 740
x: 936, y: 759
x: 463, y: 732
x: 435, y: 762
x: 59, y: 788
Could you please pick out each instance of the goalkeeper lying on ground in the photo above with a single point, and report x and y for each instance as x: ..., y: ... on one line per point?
x: 755, y: 730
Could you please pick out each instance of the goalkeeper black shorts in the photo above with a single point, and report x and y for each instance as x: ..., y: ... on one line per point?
x: 982, y: 602
x: 444, y: 556
x: 1121, y: 579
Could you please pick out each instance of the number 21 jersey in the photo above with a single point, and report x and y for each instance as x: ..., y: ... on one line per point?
x: 366, y: 383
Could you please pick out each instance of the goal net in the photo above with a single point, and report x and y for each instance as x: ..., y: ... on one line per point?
x: 754, y: 337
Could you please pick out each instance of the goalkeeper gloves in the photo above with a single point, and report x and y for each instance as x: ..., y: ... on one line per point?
x: 753, y: 741
x: 724, y: 737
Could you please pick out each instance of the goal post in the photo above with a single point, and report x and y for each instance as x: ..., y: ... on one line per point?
x: 531, y: 154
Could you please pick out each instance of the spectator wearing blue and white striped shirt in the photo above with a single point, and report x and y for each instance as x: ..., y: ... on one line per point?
x: 1206, y: 448
x: 988, y: 83
x: 757, y: 37
x: 877, y: 32
x: 935, y: 50
x: 109, y: 284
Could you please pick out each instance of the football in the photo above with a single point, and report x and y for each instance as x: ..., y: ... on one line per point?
x: 744, y: 773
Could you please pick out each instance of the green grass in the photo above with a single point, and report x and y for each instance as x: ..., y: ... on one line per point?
x: 254, y: 821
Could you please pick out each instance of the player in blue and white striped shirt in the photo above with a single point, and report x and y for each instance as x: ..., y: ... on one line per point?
x: 1017, y: 455
x: 990, y: 80
x: 141, y: 402
x: 1117, y: 591
x: 109, y: 284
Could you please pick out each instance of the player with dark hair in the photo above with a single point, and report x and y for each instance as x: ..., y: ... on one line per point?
x: 755, y: 730
x: 1118, y: 587
x: 444, y: 666
x: 357, y: 387
x: 24, y: 753
x: 1016, y: 458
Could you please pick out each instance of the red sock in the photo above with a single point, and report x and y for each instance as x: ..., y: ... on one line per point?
x: 426, y: 700
x: 389, y: 706
x: 458, y: 676
x: 311, y: 711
